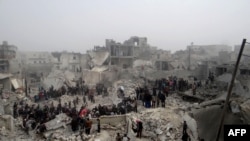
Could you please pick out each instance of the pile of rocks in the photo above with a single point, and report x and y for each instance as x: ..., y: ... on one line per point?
x: 129, y: 86
x: 160, y: 123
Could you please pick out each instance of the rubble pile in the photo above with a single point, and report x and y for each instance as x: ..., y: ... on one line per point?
x: 166, y: 123
x: 245, y: 109
x: 60, y: 136
x: 161, y: 122
x: 129, y: 86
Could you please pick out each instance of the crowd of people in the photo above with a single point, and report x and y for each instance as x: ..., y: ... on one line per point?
x: 161, y: 88
x: 35, y: 117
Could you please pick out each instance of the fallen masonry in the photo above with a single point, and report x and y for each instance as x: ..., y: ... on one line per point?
x: 123, y: 91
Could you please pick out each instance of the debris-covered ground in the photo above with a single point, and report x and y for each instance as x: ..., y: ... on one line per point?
x: 159, y: 123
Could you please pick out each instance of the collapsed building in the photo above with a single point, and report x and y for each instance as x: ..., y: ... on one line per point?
x: 127, y: 66
x: 7, y: 53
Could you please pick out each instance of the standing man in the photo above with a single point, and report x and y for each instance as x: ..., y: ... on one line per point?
x: 139, y: 129
x: 184, y: 127
x: 98, y: 125
x: 194, y: 88
x: 88, y: 126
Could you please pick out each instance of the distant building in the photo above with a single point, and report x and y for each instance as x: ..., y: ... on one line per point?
x: 246, y: 53
x: 38, y: 62
x: 162, y: 59
x: 70, y: 61
x: 123, y: 54
x: 120, y: 54
x: 7, y: 53
x: 5, y: 81
x: 210, y: 50
x: 38, y: 58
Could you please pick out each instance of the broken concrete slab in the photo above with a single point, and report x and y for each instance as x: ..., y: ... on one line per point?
x: 245, y: 109
x: 91, y: 77
x: 7, y: 121
x: 61, y: 120
x: 58, y: 78
x: 208, y: 117
x: 140, y: 63
x: 189, y: 97
x: 192, y: 125
x: 100, y: 69
x: 98, y: 57
x: 235, y: 108
x: 55, y: 78
x: 225, y: 78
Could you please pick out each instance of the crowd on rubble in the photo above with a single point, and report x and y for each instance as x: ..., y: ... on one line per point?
x: 35, y: 117
x: 84, y: 90
x: 156, y: 94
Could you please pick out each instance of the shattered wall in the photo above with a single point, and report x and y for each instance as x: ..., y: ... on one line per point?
x: 98, y: 58
x: 122, y: 62
x: 5, y: 84
x: 70, y: 61
x: 201, y: 72
x: 208, y: 123
x: 91, y: 77
x: 84, y: 61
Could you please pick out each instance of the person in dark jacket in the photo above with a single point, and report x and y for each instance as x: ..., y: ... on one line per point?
x: 74, y: 124
x: 162, y: 97
x: 139, y: 129
x: 98, y: 125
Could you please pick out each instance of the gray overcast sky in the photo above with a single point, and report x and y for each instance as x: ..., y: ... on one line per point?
x: 78, y: 25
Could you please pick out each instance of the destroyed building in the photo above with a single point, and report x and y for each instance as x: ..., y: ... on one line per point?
x: 246, y: 53
x: 70, y: 61
x: 5, y: 81
x: 120, y: 54
x: 211, y: 50
x: 124, y: 67
x: 7, y: 53
x: 38, y: 61
x: 162, y: 60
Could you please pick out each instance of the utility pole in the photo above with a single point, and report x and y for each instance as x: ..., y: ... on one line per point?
x: 230, y: 90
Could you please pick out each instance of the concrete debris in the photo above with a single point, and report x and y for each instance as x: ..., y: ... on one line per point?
x: 218, y: 101
x: 245, y: 109
x: 158, y: 131
x: 58, y: 78
x: 16, y: 83
x: 142, y: 63
x: 111, y: 75
x: 100, y: 69
x: 208, y: 117
x: 225, y: 78
x: 235, y: 108
x: 192, y: 125
x: 98, y: 58
x: 239, y: 90
x: 5, y: 75
x: 91, y: 78
x: 61, y: 120
x: 164, y: 123
x: 7, y: 121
